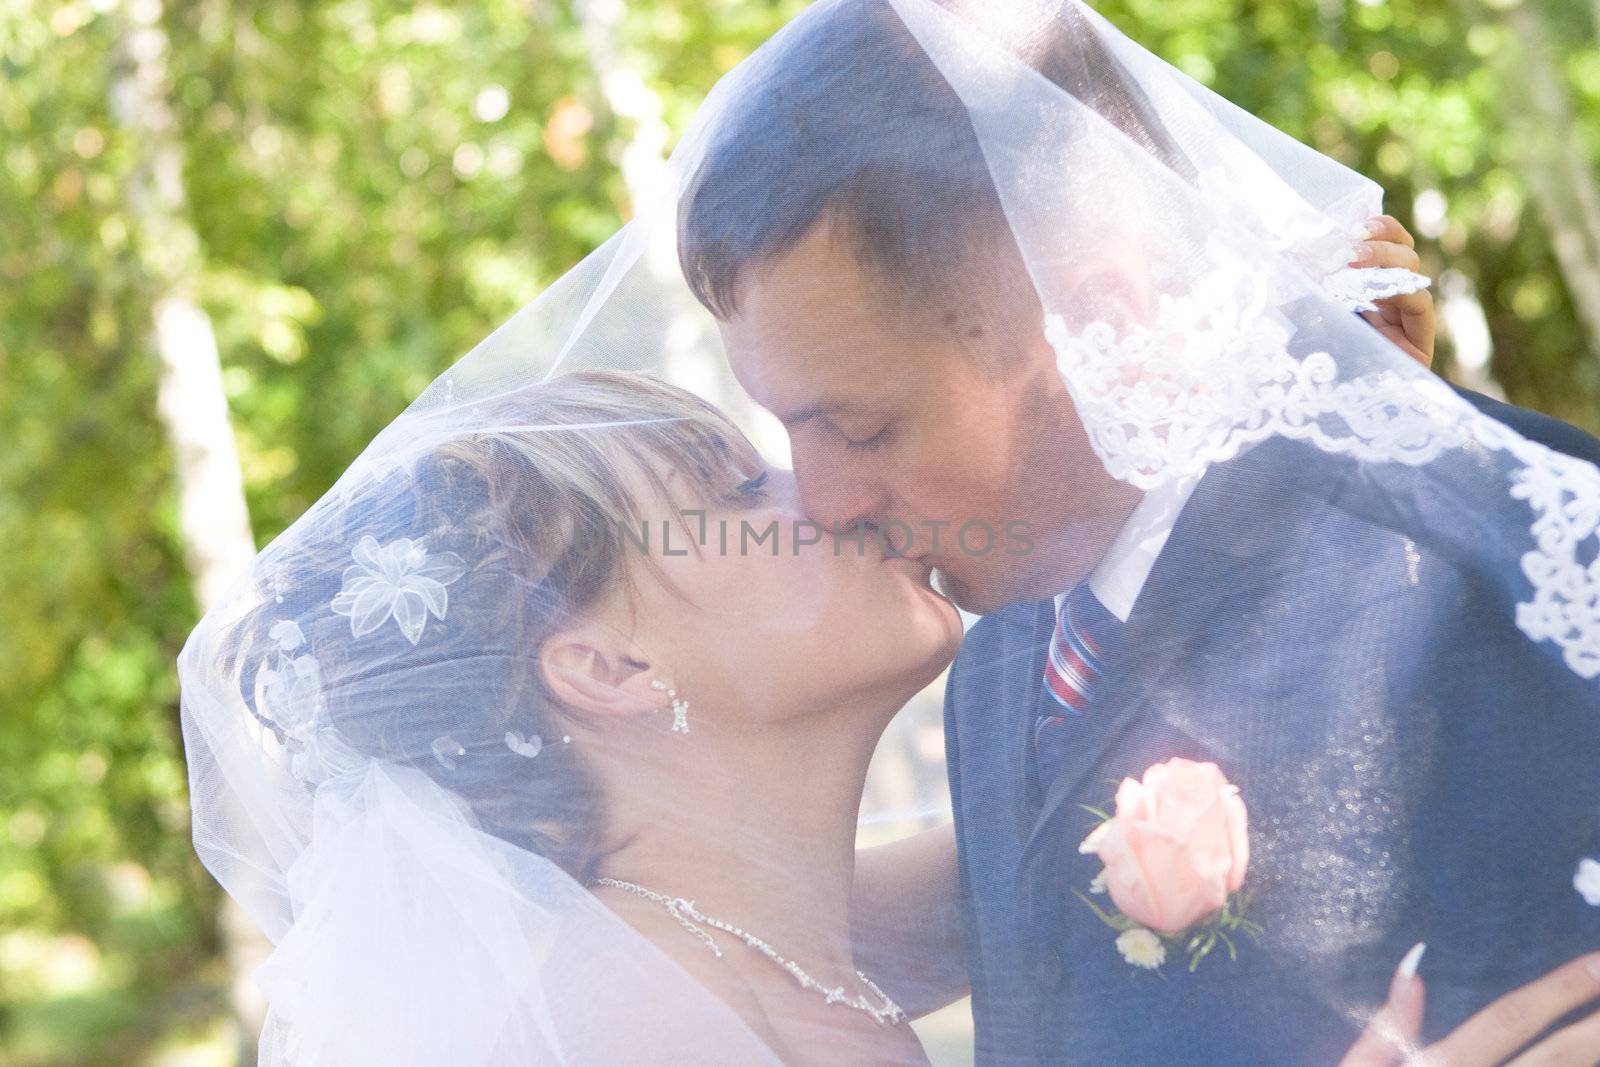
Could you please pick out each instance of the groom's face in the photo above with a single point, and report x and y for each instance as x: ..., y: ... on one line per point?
x: 943, y: 423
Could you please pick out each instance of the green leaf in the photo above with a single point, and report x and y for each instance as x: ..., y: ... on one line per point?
x: 1116, y: 921
x: 1233, y: 953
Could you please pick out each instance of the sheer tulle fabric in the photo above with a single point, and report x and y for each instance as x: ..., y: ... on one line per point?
x: 409, y: 929
x: 406, y: 917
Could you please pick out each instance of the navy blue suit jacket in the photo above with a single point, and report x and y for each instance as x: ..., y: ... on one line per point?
x: 1416, y: 769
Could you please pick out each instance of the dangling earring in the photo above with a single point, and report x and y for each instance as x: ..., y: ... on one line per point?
x: 680, y: 708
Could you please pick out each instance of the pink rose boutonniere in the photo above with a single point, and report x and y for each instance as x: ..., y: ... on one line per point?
x: 1175, y: 855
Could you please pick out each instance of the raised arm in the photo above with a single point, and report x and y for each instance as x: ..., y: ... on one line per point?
x: 907, y: 919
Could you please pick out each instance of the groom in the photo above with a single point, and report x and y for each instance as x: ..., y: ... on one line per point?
x: 1414, y: 767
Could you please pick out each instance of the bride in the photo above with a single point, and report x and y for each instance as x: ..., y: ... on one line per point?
x: 722, y: 703
x: 626, y: 654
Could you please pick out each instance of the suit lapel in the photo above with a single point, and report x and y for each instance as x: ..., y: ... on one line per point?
x: 1016, y: 671
x: 1213, y: 560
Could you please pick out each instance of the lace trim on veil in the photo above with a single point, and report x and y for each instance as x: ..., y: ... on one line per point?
x: 1214, y: 374
x: 1360, y: 288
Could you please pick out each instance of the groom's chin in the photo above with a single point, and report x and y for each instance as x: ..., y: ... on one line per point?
x: 973, y: 597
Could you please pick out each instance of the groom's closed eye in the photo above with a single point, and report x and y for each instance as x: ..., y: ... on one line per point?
x: 860, y: 435
x: 866, y: 444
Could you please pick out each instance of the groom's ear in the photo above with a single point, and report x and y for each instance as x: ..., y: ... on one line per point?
x: 598, y: 673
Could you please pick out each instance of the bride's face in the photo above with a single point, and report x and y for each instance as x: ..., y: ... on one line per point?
x: 759, y: 615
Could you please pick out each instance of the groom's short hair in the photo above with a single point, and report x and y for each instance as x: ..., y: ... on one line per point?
x: 849, y: 122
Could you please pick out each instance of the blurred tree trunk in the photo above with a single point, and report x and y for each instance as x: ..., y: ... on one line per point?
x: 691, y: 353
x: 213, y: 521
x: 1539, y: 116
x: 644, y: 157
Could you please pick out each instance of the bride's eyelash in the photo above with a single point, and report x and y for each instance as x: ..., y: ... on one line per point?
x: 752, y: 488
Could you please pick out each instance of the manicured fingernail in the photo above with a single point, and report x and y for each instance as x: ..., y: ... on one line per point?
x: 1360, y: 252
x: 1593, y: 967
x: 1405, y: 988
x: 1375, y: 226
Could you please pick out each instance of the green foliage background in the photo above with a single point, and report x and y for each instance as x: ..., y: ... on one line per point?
x: 365, y: 212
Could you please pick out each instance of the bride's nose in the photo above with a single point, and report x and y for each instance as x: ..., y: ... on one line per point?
x: 783, y: 494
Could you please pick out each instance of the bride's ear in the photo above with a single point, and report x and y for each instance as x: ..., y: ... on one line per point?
x: 598, y: 673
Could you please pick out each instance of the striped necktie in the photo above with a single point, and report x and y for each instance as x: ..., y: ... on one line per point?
x: 1084, y: 641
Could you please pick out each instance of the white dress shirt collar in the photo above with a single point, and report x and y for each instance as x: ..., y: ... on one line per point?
x: 1122, y: 572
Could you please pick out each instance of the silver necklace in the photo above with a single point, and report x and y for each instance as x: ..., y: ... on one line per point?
x: 693, y: 921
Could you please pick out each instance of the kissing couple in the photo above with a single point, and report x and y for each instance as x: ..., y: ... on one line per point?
x: 1271, y: 737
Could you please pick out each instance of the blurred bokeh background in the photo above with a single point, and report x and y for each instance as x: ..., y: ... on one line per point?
x: 237, y: 237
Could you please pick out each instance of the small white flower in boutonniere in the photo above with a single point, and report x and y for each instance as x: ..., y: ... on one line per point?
x: 1142, y: 948
x: 1175, y: 853
x: 1098, y: 886
x: 1587, y: 881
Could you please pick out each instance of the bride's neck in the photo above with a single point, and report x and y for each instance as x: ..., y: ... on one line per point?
x: 760, y: 834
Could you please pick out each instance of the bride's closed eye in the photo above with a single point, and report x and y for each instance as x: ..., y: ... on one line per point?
x: 752, y: 489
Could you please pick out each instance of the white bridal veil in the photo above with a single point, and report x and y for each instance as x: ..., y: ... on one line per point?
x: 367, y: 780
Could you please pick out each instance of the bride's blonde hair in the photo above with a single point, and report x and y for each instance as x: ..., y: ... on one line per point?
x: 539, y: 515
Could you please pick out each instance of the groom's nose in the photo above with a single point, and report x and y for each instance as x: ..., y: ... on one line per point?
x: 837, y: 500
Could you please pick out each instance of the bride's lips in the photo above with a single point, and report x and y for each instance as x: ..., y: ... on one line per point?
x: 920, y: 570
